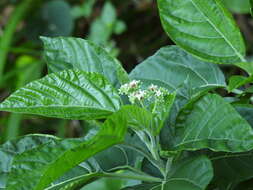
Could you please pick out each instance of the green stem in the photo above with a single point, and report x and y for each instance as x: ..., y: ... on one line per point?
x: 134, y: 177
x: 9, y: 31
x: 155, y: 153
x: 154, y: 108
x: 129, y: 168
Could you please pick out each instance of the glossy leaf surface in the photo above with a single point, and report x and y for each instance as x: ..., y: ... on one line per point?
x: 212, y: 123
x: 196, y: 170
x: 71, y: 94
x: 74, y: 53
x: 203, y: 28
x: 172, y: 67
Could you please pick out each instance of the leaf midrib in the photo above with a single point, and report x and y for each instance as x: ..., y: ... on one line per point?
x: 241, y: 57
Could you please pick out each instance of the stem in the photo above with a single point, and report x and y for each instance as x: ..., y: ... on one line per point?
x: 130, y: 168
x: 154, y: 108
x: 237, y: 91
x: 243, y: 59
x: 142, y: 105
x: 153, y: 148
x: 135, y: 177
x: 154, y: 151
x: 9, y: 31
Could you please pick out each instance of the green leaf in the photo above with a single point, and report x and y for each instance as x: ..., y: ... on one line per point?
x: 12, y: 148
x: 237, y: 81
x: 70, y: 94
x: 141, y: 119
x: 37, y: 168
x: 92, y: 169
x: 203, y: 28
x: 162, y: 112
x: 188, y: 174
x: 212, y: 123
x: 78, y: 182
x: 137, y: 118
x: 68, y: 53
x: 231, y: 169
x: 238, y: 6
x: 105, y: 161
x: 75, y: 182
x: 196, y: 170
x: 174, y: 67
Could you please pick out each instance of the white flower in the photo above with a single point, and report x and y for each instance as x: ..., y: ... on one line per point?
x: 153, y: 87
x: 129, y: 87
x: 140, y: 94
x: 124, y: 89
x: 134, y: 83
x: 158, y: 93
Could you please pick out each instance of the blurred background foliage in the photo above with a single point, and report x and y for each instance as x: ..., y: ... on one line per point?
x: 128, y: 29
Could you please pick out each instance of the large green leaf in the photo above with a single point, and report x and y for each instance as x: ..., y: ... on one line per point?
x: 212, y: 123
x: 70, y: 94
x: 67, y: 53
x: 12, y: 148
x: 188, y: 174
x: 37, y: 168
x: 231, y: 169
x: 174, y: 67
x: 203, y: 28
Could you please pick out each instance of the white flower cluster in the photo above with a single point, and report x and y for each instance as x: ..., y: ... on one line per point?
x: 135, y: 93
